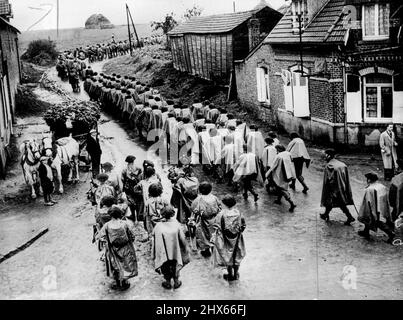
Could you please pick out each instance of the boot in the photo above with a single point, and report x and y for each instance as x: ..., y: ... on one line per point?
x: 292, y: 185
x: 350, y: 218
x: 236, y: 273
x: 229, y: 276
x: 391, y: 236
x: 177, y: 283
x: 364, y: 233
x: 278, y: 201
x: 302, y: 181
x: 167, y: 283
x: 124, y: 285
x: 293, y: 206
x: 206, y: 253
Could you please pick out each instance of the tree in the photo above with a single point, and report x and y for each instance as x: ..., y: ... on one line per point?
x: 193, y: 12
x: 166, y: 25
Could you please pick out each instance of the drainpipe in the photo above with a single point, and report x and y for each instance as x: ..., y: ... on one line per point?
x: 345, y: 102
x: 334, y: 116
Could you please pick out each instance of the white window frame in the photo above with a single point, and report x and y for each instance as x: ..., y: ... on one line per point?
x: 378, y: 119
x: 376, y: 36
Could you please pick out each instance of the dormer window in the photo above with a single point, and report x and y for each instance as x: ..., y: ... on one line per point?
x: 375, y: 21
x: 299, y: 8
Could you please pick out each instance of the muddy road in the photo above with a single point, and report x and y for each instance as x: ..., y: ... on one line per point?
x: 289, y: 255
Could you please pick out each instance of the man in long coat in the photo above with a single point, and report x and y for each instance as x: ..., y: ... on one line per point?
x: 388, y: 145
x: 281, y: 174
x: 255, y: 141
x: 300, y: 156
x: 374, y: 212
x: 184, y: 193
x: 144, y: 120
x: 229, y: 158
x: 269, y: 155
x: 156, y: 123
x: 95, y: 151
x: 204, y: 137
x: 170, y: 249
x: 336, y: 191
x: 246, y: 170
x: 197, y: 109
x: 213, y: 114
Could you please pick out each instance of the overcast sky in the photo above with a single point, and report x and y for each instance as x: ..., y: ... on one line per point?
x: 73, y: 13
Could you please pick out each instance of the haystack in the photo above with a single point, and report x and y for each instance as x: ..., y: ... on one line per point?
x: 98, y: 21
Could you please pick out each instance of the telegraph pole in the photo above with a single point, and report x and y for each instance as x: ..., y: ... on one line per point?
x: 57, y: 9
x: 128, y: 29
x: 134, y: 27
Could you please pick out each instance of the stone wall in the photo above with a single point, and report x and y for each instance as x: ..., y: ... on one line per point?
x: 245, y: 74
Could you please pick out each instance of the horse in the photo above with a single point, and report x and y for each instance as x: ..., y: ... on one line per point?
x: 64, y: 151
x: 30, y: 158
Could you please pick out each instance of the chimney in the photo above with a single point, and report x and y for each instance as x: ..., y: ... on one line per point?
x: 254, y: 32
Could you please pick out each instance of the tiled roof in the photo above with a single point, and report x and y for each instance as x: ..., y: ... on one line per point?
x: 220, y: 23
x: 326, y: 27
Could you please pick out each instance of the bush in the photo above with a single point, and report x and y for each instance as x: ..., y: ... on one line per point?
x: 41, y: 52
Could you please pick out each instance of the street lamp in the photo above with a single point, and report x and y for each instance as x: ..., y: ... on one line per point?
x: 299, y: 11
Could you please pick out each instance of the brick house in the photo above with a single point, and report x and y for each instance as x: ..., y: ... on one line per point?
x: 207, y: 46
x: 353, y: 61
x: 10, y: 76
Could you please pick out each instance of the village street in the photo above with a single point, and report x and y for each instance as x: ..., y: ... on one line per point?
x: 289, y: 255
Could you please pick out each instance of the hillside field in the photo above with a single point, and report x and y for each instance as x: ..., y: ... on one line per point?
x: 80, y: 37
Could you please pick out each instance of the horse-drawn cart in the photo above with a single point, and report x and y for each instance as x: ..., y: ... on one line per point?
x: 70, y: 123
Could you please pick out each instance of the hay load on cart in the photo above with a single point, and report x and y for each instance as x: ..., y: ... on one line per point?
x: 75, y: 118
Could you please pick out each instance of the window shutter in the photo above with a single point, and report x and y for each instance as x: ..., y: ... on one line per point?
x: 286, y: 76
x: 353, y: 83
x: 301, y: 96
x: 259, y: 83
x: 398, y: 82
x: 354, y: 99
x: 267, y: 87
x: 398, y: 98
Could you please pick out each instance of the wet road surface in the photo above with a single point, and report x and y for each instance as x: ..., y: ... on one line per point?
x: 289, y: 255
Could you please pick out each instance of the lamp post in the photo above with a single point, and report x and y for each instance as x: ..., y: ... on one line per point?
x: 299, y: 10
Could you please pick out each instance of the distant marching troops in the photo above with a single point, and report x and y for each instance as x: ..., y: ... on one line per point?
x: 71, y: 64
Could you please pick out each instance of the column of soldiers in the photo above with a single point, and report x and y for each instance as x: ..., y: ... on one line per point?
x: 232, y: 152
x: 71, y: 64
